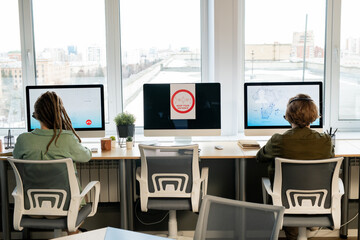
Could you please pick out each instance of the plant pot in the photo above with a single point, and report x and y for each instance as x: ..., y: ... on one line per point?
x: 129, y: 145
x: 125, y: 130
x: 113, y: 143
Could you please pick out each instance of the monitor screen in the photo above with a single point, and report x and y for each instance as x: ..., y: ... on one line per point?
x: 265, y: 105
x: 83, y: 103
x: 182, y: 109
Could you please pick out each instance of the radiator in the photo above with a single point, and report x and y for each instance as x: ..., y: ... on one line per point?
x: 105, y: 171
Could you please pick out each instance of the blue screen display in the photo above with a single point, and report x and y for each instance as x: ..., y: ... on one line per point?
x: 83, y: 105
x: 266, y: 104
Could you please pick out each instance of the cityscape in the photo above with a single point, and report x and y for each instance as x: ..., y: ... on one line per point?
x: 72, y: 65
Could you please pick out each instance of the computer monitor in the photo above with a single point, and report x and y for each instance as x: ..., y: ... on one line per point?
x: 266, y: 102
x: 182, y: 109
x: 83, y: 103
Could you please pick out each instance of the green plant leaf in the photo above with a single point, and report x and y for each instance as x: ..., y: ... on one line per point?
x: 124, y: 118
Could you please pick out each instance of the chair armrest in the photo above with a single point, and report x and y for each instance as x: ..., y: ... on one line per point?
x: 18, y: 208
x: 142, y: 181
x: 14, y: 192
x: 341, y: 187
x: 266, y: 189
x: 18, y: 198
x: 95, y: 196
x: 138, y: 174
x: 199, y: 189
x: 204, y: 179
x: 144, y: 192
x: 336, y: 205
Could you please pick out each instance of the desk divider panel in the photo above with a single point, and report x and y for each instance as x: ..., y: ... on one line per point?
x: 114, y: 195
x: 94, y: 174
x: 354, y: 178
x: 84, y: 172
x: 104, y: 180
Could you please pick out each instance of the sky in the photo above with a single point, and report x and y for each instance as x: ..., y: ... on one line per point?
x: 82, y: 22
x: 69, y: 22
x: 276, y: 20
x: 160, y: 22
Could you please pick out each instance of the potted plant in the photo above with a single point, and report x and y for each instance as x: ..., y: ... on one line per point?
x: 113, y: 141
x: 129, y: 142
x: 125, y: 124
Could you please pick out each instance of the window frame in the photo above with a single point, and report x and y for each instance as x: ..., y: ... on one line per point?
x: 222, y: 54
x: 333, y: 76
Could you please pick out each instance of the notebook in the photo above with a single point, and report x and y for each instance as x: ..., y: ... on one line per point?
x: 248, y: 144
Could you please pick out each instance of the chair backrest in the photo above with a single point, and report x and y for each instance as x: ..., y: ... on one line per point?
x: 44, y: 187
x: 306, y: 186
x: 221, y: 218
x: 169, y: 171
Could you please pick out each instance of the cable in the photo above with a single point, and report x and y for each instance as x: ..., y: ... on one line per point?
x: 350, y: 220
x: 340, y: 226
x: 317, y: 231
x: 152, y: 223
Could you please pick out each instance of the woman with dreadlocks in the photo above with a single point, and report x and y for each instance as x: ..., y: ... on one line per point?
x: 56, y: 138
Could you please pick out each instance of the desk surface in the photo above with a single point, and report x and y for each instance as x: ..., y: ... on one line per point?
x: 344, y: 148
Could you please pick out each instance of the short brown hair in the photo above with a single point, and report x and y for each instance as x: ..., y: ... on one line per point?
x: 301, y: 110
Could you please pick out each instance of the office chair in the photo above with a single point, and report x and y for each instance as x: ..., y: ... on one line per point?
x: 48, y: 196
x: 169, y: 179
x: 310, y: 191
x: 222, y: 218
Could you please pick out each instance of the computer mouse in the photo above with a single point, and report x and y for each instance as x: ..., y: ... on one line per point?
x: 218, y: 147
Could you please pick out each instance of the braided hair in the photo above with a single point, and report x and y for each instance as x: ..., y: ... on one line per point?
x: 49, y: 109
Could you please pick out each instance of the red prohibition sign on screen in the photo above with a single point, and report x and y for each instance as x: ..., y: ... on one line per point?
x: 185, y: 91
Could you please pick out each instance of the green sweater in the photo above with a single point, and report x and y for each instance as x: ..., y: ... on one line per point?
x: 296, y: 143
x: 32, y: 146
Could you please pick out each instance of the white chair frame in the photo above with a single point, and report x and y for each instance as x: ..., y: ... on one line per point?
x: 199, y: 183
x: 75, y: 201
x: 337, y: 189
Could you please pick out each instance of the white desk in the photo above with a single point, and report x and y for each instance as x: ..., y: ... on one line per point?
x: 344, y: 148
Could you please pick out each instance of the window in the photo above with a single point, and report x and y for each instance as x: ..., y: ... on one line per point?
x: 65, y: 42
x: 160, y: 43
x: 275, y: 46
x: 349, y: 87
x: 12, y: 114
x: 70, y: 42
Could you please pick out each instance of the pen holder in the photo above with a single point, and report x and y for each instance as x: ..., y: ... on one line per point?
x: 105, y: 144
x: 333, y: 138
x: 9, y: 142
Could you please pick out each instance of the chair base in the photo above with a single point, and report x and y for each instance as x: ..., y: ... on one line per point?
x: 183, y: 238
x: 173, y: 230
x: 178, y: 237
x: 302, y: 234
x: 172, y: 224
x: 57, y: 233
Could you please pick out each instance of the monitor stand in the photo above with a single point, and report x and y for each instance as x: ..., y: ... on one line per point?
x: 182, y: 140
